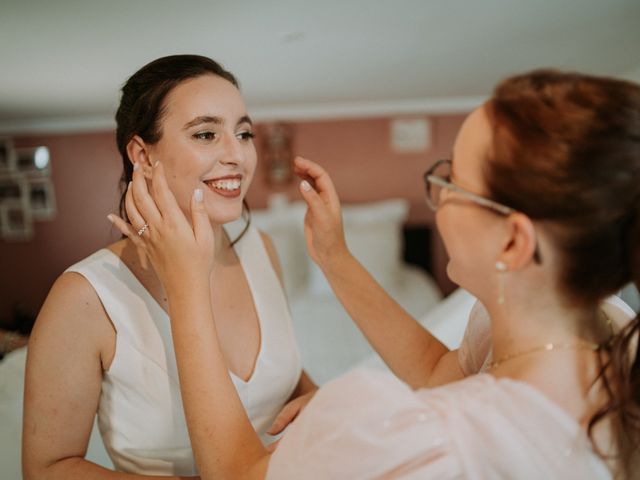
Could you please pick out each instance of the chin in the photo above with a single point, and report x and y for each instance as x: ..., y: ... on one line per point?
x: 455, y: 277
x: 221, y: 214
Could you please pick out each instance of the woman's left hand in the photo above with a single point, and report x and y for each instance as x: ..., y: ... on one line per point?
x: 178, y: 250
x: 289, y: 413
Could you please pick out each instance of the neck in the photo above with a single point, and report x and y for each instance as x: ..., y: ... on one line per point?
x: 526, y: 321
x: 221, y: 243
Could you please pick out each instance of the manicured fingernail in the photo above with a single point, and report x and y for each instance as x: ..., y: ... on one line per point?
x: 197, y: 195
x: 110, y: 217
x: 305, y: 185
x: 136, y: 165
x: 156, y: 164
x: 129, y: 186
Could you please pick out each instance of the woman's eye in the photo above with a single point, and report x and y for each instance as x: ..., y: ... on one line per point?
x: 246, y: 135
x: 204, y: 135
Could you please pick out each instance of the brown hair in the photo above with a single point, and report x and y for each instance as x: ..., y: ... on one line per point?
x: 142, y: 107
x: 566, y: 150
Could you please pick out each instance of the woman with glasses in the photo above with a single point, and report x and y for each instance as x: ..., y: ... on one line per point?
x: 539, y: 210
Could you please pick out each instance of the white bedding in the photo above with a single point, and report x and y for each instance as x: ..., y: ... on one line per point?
x: 11, y: 394
x: 329, y: 341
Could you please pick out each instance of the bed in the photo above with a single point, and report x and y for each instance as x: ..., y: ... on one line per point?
x: 329, y: 341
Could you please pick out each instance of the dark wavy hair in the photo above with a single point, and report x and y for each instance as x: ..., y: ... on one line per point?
x: 566, y: 150
x: 142, y: 108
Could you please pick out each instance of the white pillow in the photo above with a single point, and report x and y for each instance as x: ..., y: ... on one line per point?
x: 373, y: 232
x: 285, y: 227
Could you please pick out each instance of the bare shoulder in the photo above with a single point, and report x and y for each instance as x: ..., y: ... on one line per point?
x: 71, y: 293
x: 273, y: 254
x: 73, y: 315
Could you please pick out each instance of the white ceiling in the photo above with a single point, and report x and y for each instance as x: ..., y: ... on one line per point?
x: 62, y: 62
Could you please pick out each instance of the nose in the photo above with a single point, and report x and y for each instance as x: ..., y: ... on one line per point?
x: 232, y: 151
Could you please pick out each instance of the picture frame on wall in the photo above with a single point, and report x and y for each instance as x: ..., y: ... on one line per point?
x: 12, y: 187
x: 26, y: 190
x: 7, y: 156
x: 16, y: 224
x: 42, y: 198
x: 33, y: 161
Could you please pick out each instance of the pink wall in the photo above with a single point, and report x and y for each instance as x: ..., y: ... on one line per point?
x: 358, y: 155
x: 86, y: 169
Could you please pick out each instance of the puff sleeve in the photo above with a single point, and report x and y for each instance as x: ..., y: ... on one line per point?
x: 366, y: 425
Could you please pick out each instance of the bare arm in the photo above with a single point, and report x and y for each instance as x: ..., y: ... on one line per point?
x: 224, y: 441
x: 410, y: 351
x: 62, y: 384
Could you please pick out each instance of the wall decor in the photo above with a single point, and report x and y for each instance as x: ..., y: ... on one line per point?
x: 16, y: 223
x: 277, y: 154
x: 7, y: 155
x: 26, y: 190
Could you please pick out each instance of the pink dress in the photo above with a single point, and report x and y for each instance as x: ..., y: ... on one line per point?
x: 369, y: 425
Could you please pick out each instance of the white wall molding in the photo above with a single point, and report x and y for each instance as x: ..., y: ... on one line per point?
x: 323, y: 111
x: 78, y: 124
x: 294, y: 112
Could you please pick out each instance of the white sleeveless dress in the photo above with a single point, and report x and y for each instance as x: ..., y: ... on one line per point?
x: 140, y: 414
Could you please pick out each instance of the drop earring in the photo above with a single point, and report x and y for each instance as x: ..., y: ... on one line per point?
x: 501, y: 268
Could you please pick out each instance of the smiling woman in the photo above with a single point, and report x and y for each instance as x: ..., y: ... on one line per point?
x: 102, y: 341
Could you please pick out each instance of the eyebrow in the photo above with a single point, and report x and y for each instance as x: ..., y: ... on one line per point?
x: 215, y: 120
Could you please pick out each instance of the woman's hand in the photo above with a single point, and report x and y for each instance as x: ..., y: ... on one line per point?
x: 323, y: 229
x: 289, y: 413
x: 179, y: 251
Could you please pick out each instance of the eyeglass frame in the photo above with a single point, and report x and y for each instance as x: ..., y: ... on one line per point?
x: 430, y: 179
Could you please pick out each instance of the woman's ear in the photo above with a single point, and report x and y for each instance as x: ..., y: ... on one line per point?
x: 138, y: 152
x: 519, y: 249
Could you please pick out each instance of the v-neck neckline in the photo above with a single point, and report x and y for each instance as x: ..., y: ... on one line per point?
x: 256, y: 307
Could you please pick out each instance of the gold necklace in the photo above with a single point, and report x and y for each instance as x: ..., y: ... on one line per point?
x: 547, y: 347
